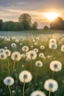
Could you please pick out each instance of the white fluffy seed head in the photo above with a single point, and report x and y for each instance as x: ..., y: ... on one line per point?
x: 37, y: 93
x: 55, y: 66
x: 39, y: 63
x: 16, y: 56
x: 25, y: 76
x: 8, y: 81
x: 31, y: 55
x: 51, y: 85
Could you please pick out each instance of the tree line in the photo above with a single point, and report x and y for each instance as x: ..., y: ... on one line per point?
x: 24, y: 23
x: 58, y: 24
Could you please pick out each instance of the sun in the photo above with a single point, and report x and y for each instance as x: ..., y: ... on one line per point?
x: 52, y: 15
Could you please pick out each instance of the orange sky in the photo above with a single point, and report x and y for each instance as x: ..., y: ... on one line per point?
x: 12, y: 9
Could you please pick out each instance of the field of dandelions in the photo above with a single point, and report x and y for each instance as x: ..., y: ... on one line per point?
x: 32, y: 66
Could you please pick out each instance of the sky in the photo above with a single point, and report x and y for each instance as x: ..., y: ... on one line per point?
x: 10, y: 10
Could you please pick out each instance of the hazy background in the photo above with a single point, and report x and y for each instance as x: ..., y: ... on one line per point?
x: 10, y: 10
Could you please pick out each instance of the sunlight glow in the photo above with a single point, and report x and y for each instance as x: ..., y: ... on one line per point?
x: 52, y: 15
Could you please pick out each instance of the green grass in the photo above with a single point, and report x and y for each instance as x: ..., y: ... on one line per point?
x: 33, y: 32
x: 43, y: 73
x: 48, y: 31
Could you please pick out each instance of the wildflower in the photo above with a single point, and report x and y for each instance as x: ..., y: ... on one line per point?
x: 39, y: 63
x: 37, y: 38
x: 25, y: 48
x: 53, y: 41
x: 48, y: 56
x: 51, y: 85
x: 31, y: 55
x: 17, y: 41
x: 8, y: 81
x: 5, y: 48
x: 13, y: 38
x: 53, y: 46
x: 36, y: 50
x: 36, y: 43
x: 16, y: 56
x: 34, y: 40
x: 7, y: 39
x: 55, y: 66
x: 62, y: 48
x: 61, y: 41
x: 32, y: 46
x: 1, y: 50
x: 13, y: 91
x: 3, y: 56
x: 41, y: 55
x: 8, y: 52
x: 42, y: 47
x: 13, y: 45
x: 37, y: 93
x: 25, y: 76
x: 20, y: 44
x: 22, y: 55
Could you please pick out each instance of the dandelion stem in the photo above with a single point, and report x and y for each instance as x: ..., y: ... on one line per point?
x: 2, y: 68
x: 8, y: 67
x: 25, y: 55
x: 31, y: 65
x: 36, y: 73
x: 53, y: 74
x: 9, y: 90
x: 23, y: 88
x: 14, y: 65
x: 49, y: 93
x: 16, y: 81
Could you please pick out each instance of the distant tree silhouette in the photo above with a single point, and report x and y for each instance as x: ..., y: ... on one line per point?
x: 12, y: 26
x: 46, y: 27
x: 24, y: 23
x: 18, y: 26
x: 35, y: 25
x: 8, y: 26
x: 58, y: 23
x: 1, y: 24
x: 25, y: 19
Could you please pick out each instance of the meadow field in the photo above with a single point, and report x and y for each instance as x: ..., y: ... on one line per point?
x: 32, y: 32
x: 32, y: 64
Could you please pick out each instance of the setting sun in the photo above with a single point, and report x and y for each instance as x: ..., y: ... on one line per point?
x: 52, y: 15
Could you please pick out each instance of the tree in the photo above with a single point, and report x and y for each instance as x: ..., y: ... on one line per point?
x: 1, y: 24
x: 8, y: 26
x: 35, y: 25
x: 58, y: 23
x: 12, y: 26
x: 25, y: 19
x: 46, y: 27
x: 18, y: 26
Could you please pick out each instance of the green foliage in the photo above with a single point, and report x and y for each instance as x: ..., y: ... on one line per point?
x: 43, y: 73
x: 8, y: 26
x: 46, y: 27
x: 18, y: 26
x: 12, y: 26
x: 25, y: 19
x: 1, y: 24
x: 23, y: 24
x: 35, y: 25
x: 58, y: 23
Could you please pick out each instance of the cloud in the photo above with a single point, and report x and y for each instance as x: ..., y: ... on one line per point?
x: 12, y: 9
x: 15, y: 13
x: 32, y: 4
